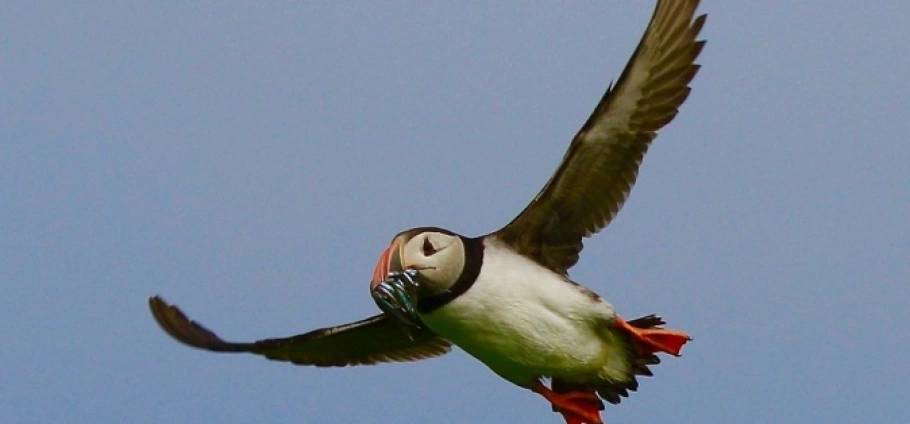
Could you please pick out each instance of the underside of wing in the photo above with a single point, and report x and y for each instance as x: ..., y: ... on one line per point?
x: 601, y: 165
x: 366, y: 342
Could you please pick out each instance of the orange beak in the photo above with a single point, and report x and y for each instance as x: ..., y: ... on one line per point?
x: 389, y: 261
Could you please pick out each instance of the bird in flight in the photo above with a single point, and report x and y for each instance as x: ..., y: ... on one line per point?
x: 505, y: 297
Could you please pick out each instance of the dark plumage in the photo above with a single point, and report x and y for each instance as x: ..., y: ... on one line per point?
x: 366, y: 342
x: 601, y: 165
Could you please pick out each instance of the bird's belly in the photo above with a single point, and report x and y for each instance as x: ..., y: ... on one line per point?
x: 525, y: 327
x: 522, y: 347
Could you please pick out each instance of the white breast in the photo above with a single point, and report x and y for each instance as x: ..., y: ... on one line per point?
x: 525, y: 321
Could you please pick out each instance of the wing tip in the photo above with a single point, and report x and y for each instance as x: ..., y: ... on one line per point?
x: 177, y: 325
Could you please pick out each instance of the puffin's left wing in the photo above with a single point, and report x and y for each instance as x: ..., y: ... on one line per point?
x: 601, y: 164
x: 366, y: 342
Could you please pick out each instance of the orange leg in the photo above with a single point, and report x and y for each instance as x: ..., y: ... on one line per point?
x: 576, y: 407
x: 651, y: 340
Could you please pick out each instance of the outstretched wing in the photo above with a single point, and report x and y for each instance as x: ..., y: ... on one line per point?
x: 601, y: 164
x: 367, y: 342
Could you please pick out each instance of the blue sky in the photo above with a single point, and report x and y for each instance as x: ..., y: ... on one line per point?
x: 249, y: 163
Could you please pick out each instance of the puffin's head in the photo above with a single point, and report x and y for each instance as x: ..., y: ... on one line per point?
x: 437, y: 255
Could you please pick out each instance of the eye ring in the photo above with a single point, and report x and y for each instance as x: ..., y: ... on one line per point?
x: 428, y: 249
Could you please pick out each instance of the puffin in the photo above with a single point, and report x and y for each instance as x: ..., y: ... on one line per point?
x: 506, y: 298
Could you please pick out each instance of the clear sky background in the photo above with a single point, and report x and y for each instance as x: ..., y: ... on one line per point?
x: 249, y: 163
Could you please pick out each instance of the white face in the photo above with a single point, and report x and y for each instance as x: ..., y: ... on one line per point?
x: 439, y: 258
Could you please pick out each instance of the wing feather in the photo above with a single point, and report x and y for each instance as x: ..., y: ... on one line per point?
x: 366, y: 342
x: 601, y: 165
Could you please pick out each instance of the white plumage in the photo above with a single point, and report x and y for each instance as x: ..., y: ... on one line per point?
x: 525, y: 321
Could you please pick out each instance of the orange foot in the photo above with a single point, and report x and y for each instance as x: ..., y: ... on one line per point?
x: 576, y: 407
x: 651, y: 340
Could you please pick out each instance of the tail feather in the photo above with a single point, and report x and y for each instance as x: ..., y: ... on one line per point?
x: 647, y: 321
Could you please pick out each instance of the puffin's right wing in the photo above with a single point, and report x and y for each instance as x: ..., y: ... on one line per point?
x: 366, y: 342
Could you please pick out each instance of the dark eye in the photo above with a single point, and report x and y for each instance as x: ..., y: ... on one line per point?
x: 428, y: 249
